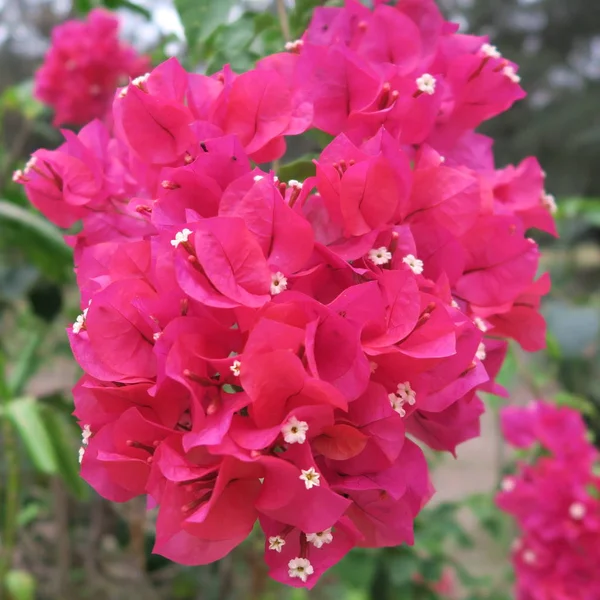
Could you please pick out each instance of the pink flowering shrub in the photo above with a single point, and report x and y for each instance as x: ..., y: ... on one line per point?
x: 85, y: 63
x: 258, y: 350
x: 556, y: 503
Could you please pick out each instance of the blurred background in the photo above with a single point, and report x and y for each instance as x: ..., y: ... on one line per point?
x: 67, y: 543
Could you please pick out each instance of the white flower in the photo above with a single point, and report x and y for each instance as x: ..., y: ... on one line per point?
x: 180, y: 237
x: 380, y: 256
x: 156, y: 336
x: 294, y: 431
x: 300, y: 568
x: 235, y: 368
x: 491, y: 51
x: 508, y: 484
x: 577, y: 511
x: 321, y: 538
x: 310, y: 478
x: 481, y: 353
x: 294, y: 183
x: 549, y: 202
x: 426, y: 84
x: 510, y: 72
x: 442, y: 159
x: 403, y: 395
x: 414, y: 263
x: 258, y: 177
x: 86, y: 434
x: 139, y: 81
x: 480, y: 324
x: 294, y: 46
x: 30, y: 164
x: 18, y: 176
x: 529, y: 557
x: 276, y: 543
x: 278, y: 283
x: 80, y: 322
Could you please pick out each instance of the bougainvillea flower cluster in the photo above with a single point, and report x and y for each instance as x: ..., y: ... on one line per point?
x: 258, y: 350
x: 555, y: 500
x: 85, y: 63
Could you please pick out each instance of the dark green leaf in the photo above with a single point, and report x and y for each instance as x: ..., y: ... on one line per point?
x: 299, y: 169
x: 132, y: 6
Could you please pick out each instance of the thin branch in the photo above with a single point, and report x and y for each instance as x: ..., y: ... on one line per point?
x: 284, y: 22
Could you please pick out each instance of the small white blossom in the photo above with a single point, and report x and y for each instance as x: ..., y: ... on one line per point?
x: 480, y: 324
x: 278, y: 283
x: 30, y: 164
x: 577, y: 511
x: 318, y: 540
x: 426, y: 84
x: 156, y: 336
x: 549, y: 202
x: 80, y: 321
x: 380, y: 256
x: 180, y: 237
x: 310, y: 478
x: 258, y: 177
x: 235, y: 368
x: 294, y: 183
x: 508, y: 484
x: 403, y: 395
x: 276, y: 543
x: 86, y: 433
x: 300, y: 568
x: 294, y: 46
x: 414, y: 263
x: 481, y: 353
x: 491, y: 51
x: 139, y: 81
x: 18, y: 176
x: 294, y: 431
x: 510, y: 72
x: 529, y: 557
x: 442, y: 159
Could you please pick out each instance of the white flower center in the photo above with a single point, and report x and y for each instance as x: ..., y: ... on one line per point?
x: 276, y: 543
x: 529, y: 557
x: 300, y: 568
x: 80, y: 321
x: 491, y: 51
x: 86, y: 433
x: 180, y: 237
x: 403, y: 395
x: 577, y: 511
x: 481, y: 353
x: 380, y: 256
x: 480, y: 324
x: 294, y: 183
x: 278, y: 283
x: 416, y: 265
x: 258, y: 177
x: 426, y: 84
x: 321, y: 538
x: 294, y: 431
x: 310, y: 478
x: 235, y: 368
x: 294, y: 46
x: 509, y: 71
x: 549, y: 202
x: 508, y: 484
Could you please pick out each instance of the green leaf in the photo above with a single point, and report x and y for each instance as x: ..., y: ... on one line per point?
x: 200, y: 20
x: 62, y: 433
x: 508, y: 372
x: 20, y: 99
x: 37, y: 225
x: 20, y: 585
x: 82, y: 6
x: 299, y: 169
x: 132, y: 6
x: 26, y: 364
x: 27, y: 419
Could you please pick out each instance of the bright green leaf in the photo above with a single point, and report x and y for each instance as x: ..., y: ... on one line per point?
x: 20, y: 585
x: 299, y: 169
x: 26, y: 417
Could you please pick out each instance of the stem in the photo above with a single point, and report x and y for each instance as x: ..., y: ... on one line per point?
x: 284, y: 22
x: 11, y: 496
